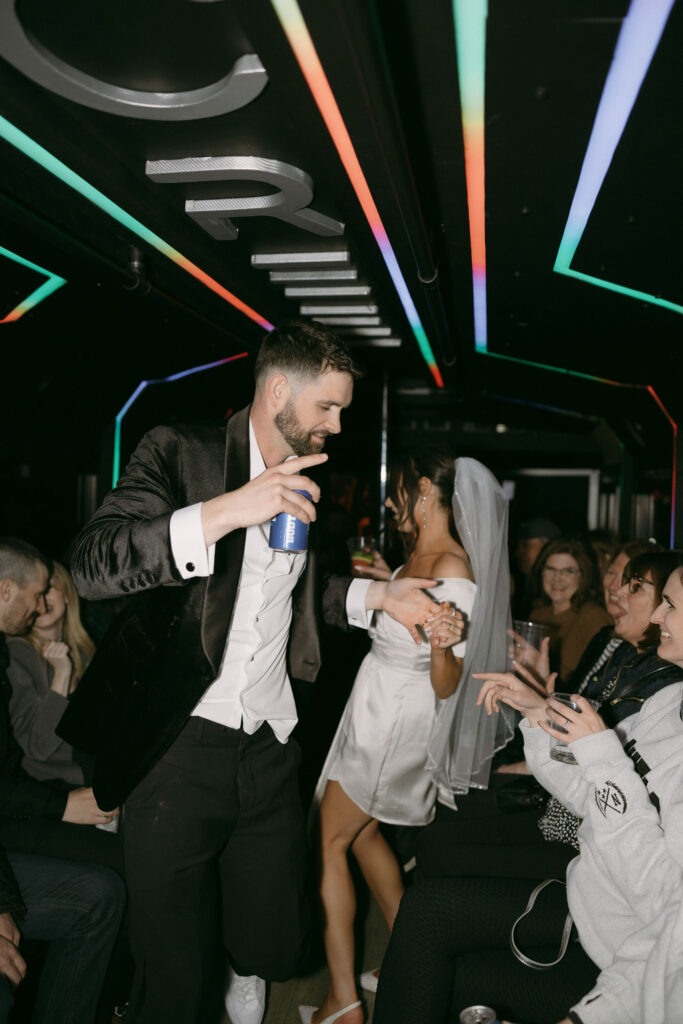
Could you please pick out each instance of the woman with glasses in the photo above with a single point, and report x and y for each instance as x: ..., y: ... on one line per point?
x: 621, y: 674
x: 612, y: 578
x: 451, y: 942
x: 625, y: 890
x: 567, y: 580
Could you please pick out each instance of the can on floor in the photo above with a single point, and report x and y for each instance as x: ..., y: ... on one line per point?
x: 478, y: 1015
x: 287, y: 533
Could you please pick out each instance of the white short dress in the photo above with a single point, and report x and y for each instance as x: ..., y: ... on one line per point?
x: 379, y: 752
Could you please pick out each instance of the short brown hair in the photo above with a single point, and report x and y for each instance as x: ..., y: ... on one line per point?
x: 589, y: 583
x: 303, y: 348
x: 19, y: 561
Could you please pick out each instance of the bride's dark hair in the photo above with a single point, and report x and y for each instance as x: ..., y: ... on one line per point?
x: 407, y: 468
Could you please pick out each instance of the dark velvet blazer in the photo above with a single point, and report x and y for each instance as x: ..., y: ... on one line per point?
x: 165, y: 648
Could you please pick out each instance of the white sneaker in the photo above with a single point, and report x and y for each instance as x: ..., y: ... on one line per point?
x: 245, y: 998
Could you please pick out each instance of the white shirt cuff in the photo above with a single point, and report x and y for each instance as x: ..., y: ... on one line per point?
x: 356, y: 612
x: 192, y: 557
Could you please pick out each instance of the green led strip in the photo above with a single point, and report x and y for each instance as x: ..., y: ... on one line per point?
x: 41, y: 292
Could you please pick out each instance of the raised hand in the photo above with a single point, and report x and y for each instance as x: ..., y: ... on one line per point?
x: 268, y: 494
x: 511, y: 690
x: 379, y: 570
x: 575, y: 724
x: 57, y: 654
x: 534, y: 660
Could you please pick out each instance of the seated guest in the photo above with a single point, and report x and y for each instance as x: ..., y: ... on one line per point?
x: 621, y: 678
x: 532, y: 537
x: 76, y: 907
x: 606, y: 547
x: 569, y: 604
x: 605, y: 642
x: 612, y: 578
x: 515, y: 829
x: 45, y: 667
x: 624, y: 890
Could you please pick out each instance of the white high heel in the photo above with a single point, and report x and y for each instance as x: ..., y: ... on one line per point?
x: 306, y: 1013
x: 369, y: 980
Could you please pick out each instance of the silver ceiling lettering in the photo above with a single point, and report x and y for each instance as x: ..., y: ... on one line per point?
x: 243, y: 83
x: 289, y: 203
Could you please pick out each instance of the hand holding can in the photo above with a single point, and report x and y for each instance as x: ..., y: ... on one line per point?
x: 287, y: 533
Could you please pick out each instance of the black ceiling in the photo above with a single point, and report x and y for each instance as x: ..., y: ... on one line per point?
x: 78, y: 356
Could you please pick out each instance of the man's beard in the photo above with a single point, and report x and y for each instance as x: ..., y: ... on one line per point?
x: 18, y: 623
x: 300, y: 441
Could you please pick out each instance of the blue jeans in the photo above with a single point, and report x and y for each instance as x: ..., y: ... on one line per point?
x: 77, y: 908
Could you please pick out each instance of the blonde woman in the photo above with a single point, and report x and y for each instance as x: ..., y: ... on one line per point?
x: 45, y: 667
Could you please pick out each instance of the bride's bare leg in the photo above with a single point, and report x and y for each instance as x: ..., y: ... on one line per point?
x: 340, y: 823
x: 380, y: 870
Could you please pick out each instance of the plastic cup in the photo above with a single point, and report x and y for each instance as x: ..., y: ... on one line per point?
x: 526, y: 641
x: 559, y: 750
x: 361, y: 552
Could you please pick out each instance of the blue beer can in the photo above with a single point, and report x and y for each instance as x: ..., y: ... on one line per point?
x: 478, y: 1015
x: 287, y: 533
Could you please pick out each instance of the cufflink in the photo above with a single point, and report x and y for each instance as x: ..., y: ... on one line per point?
x: 189, y: 566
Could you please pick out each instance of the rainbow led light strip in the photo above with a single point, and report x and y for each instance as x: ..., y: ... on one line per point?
x: 294, y: 26
x: 470, y: 34
x: 41, y: 156
x: 116, y: 471
x: 470, y: 43
x: 41, y: 292
x: 639, y: 37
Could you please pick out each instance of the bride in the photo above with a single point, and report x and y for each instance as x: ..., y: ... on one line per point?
x: 409, y: 735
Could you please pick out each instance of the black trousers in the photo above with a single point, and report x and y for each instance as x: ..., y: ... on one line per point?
x: 450, y: 949
x: 215, y: 853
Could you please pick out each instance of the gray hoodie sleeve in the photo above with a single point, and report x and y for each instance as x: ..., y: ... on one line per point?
x: 564, y: 781
x: 627, y: 834
x: 616, y: 997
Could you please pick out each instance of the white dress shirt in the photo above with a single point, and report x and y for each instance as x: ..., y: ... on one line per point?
x: 252, y: 685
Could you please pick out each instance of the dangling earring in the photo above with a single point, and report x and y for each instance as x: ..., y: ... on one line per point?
x: 424, y: 511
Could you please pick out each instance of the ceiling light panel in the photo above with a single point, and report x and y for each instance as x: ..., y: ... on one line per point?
x: 278, y: 259
x: 338, y: 310
x: 285, y: 276
x: 329, y: 291
x: 374, y: 342
x: 368, y: 332
x: 350, y: 321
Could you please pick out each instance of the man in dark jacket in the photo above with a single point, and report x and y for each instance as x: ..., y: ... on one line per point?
x: 76, y: 907
x: 188, y: 705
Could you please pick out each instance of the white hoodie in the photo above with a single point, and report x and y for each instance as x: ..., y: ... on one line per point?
x: 625, y: 889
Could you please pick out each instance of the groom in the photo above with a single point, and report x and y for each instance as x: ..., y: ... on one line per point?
x: 188, y: 704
